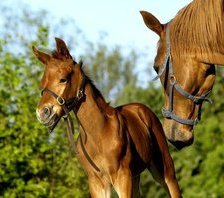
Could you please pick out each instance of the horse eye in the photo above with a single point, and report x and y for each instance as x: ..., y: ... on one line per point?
x: 156, y: 68
x: 63, y: 80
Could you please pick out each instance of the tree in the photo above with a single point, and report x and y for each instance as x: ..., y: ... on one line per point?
x: 32, y: 162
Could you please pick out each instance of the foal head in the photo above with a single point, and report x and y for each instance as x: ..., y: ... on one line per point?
x: 180, y: 72
x: 61, y: 83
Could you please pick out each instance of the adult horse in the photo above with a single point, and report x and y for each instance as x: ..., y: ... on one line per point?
x: 190, y: 46
x: 115, y: 144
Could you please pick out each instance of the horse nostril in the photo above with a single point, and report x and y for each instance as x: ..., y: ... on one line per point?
x: 46, y: 111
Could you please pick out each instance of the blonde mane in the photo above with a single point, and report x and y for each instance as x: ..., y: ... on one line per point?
x: 199, y: 27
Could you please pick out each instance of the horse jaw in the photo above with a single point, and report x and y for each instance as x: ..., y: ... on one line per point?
x: 177, y: 135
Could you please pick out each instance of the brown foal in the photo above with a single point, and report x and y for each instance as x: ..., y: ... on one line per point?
x: 115, y: 144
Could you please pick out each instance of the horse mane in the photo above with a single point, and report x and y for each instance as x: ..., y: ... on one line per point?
x: 96, y: 91
x: 198, y: 27
x: 98, y: 96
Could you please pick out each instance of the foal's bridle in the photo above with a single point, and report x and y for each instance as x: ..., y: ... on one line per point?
x: 198, y: 100
x: 67, y: 106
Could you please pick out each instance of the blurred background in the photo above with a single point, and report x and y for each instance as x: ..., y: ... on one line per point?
x: 118, y: 51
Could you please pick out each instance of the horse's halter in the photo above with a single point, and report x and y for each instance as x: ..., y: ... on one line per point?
x: 198, y: 100
x: 69, y: 104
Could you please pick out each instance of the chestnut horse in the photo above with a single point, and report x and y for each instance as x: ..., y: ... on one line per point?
x: 115, y: 144
x: 190, y: 46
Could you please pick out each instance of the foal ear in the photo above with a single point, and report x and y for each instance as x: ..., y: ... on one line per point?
x: 62, y: 48
x: 43, y: 57
x: 152, y: 22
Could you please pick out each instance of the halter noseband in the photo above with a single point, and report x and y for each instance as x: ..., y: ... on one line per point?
x: 198, y: 100
x: 69, y: 104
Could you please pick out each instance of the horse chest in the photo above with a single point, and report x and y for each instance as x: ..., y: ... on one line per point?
x: 104, y: 155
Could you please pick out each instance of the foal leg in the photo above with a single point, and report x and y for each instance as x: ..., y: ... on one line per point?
x: 161, y: 166
x: 123, y: 184
x: 170, y: 176
x: 163, y: 171
x: 99, y: 188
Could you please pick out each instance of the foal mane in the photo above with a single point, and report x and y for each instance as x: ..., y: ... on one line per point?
x: 198, y: 27
x: 98, y: 96
x: 96, y: 91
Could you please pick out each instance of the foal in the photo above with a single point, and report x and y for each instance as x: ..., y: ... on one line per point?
x: 115, y: 144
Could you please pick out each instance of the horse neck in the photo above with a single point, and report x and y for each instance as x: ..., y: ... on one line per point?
x: 91, y: 113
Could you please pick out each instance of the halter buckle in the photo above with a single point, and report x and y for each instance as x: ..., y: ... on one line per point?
x: 172, y: 79
x: 60, y: 100
x: 80, y: 94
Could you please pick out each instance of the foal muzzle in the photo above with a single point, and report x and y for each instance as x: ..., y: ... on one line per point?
x: 67, y: 106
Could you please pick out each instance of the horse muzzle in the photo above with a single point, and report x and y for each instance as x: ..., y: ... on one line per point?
x: 47, y: 117
x: 178, y: 135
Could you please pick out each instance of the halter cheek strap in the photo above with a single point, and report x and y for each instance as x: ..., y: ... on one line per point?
x: 198, y: 100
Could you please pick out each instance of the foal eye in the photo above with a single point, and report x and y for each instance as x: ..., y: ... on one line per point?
x: 66, y: 79
x: 156, y: 68
x: 63, y: 80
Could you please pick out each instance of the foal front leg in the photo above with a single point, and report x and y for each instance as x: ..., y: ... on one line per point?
x: 123, y: 184
x: 99, y: 188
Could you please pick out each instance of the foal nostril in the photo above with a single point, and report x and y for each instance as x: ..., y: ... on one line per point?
x: 46, y: 112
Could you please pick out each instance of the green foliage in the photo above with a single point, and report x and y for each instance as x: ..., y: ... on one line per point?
x: 111, y: 70
x: 33, y: 163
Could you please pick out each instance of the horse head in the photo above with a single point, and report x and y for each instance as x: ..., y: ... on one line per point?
x: 186, y: 79
x: 62, y: 85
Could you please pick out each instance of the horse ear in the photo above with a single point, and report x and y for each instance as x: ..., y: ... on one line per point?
x: 152, y: 22
x: 62, y: 48
x: 43, y: 57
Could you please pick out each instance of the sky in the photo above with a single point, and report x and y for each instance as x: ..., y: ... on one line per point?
x: 119, y: 19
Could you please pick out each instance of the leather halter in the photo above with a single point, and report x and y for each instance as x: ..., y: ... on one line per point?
x: 67, y: 106
x: 198, y: 100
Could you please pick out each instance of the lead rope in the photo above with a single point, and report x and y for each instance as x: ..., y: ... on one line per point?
x: 83, y: 147
x: 87, y: 156
x: 70, y: 133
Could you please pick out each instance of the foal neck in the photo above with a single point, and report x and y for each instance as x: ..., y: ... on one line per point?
x: 92, y: 111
